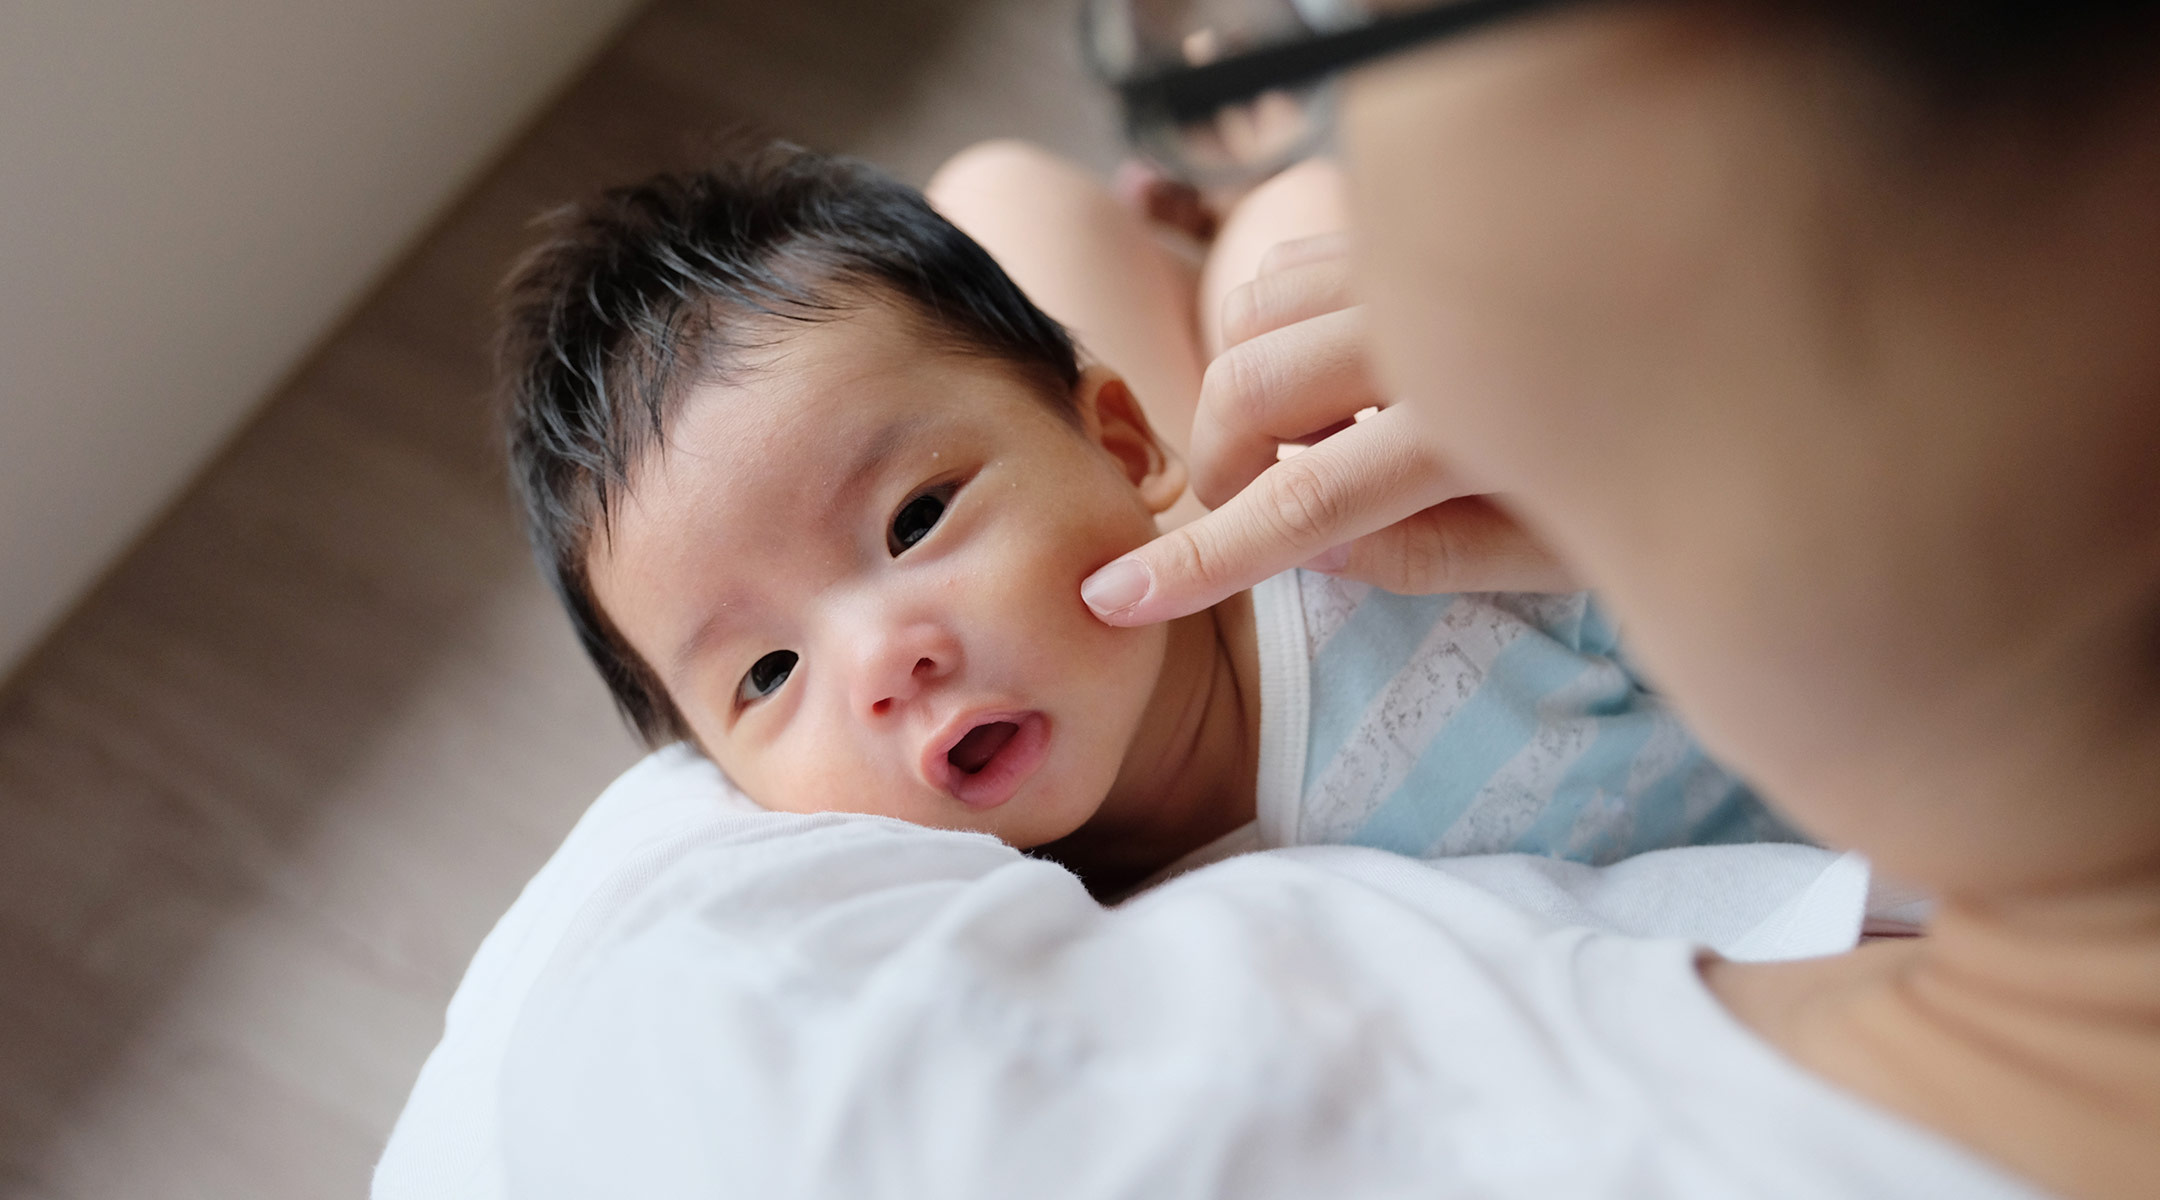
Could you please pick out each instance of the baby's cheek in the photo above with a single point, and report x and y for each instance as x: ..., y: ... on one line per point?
x: 807, y: 784
x: 784, y: 775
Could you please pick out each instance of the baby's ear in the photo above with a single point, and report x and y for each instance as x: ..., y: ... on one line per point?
x: 1113, y: 417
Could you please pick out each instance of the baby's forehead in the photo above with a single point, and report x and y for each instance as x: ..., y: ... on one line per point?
x: 805, y: 411
x: 782, y: 446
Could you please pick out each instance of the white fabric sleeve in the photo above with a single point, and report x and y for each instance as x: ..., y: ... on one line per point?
x: 446, y: 1144
x: 852, y: 1007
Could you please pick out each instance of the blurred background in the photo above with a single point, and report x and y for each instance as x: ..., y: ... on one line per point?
x: 286, y: 717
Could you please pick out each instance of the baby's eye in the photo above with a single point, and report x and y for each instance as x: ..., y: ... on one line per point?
x: 766, y: 675
x: 917, y: 518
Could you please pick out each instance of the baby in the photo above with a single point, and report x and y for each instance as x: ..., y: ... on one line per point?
x: 818, y: 486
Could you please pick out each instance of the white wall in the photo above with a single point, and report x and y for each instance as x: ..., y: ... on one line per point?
x: 190, y: 192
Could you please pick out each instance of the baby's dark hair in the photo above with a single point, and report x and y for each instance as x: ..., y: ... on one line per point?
x: 646, y: 291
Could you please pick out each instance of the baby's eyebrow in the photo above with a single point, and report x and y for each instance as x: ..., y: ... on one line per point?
x: 707, y: 632
x: 869, y: 457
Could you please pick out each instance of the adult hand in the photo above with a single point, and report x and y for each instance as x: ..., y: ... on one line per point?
x: 1371, y: 499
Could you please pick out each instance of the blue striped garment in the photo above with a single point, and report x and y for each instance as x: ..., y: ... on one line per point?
x: 1474, y: 724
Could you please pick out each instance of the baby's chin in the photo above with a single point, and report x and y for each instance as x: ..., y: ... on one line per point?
x: 1031, y: 827
x: 1025, y: 822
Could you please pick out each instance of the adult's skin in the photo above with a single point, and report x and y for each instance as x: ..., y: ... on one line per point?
x: 1848, y: 399
x: 1375, y: 501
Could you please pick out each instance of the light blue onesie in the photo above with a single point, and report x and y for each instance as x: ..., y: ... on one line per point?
x: 1474, y: 724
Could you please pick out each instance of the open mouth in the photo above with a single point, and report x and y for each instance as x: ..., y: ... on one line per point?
x: 991, y: 757
x: 981, y: 745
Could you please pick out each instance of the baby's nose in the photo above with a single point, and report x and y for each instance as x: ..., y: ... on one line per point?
x: 900, y: 663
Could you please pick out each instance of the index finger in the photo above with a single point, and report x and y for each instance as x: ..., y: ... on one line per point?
x: 1284, y: 386
x: 1365, y: 478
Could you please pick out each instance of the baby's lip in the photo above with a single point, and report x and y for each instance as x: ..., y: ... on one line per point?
x: 999, y: 778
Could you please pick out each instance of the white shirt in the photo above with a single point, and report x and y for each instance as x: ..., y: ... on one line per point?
x: 721, y: 1002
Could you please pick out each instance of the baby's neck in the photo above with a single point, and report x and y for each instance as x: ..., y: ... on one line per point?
x: 1188, y: 776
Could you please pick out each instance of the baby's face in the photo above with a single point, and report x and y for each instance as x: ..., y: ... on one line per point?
x: 856, y: 568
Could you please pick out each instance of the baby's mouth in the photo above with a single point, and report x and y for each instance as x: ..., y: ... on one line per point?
x: 981, y: 745
x: 985, y: 766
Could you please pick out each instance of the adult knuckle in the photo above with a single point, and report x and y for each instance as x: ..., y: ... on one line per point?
x: 1185, y: 556
x: 1275, y: 301
x: 1443, y: 554
x: 1424, y: 562
x: 1238, y: 385
x: 1241, y: 313
x: 1304, y: 504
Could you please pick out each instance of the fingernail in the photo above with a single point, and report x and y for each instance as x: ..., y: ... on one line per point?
x: 1118, y: 586
x: 1330, y: 560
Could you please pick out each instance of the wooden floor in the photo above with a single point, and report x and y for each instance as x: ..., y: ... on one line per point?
x: 263, y: 793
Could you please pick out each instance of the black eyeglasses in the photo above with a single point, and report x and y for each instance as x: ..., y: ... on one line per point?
x: 1216, y: 90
